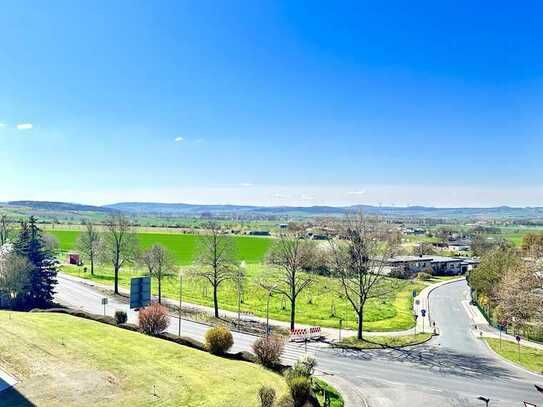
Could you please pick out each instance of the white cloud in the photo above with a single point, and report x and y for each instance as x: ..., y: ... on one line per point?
x: 2, y: 125
x: 24, y: 126
x: 361, y: 192
x: 245, y: 184
x: 179, y: 139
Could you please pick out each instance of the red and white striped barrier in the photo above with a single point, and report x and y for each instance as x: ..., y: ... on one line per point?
x: 315, y: 331
x: 305, y: 334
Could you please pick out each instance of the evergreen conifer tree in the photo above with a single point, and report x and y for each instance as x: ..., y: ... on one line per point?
x: 44, y: 265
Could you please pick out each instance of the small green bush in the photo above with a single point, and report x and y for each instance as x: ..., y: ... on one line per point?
x: 267, y: 396
x: 218, y: 340
x: 300, y: 389
x: 120, y: 317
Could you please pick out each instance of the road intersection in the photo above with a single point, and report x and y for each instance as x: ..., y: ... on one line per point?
x: 452, y: 369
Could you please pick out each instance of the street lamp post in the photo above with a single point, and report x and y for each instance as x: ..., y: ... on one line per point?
x: 485, y: 399
x: 268, y: 310
x: 180, y: 300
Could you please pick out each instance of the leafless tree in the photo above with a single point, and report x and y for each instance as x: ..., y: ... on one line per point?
x: 120, y: 244
x: 89, y: 243
x: 290, y: 254
x: 160, y: 263
x: 216, y: 260
x: 4, y: 229
x: 518, y: 294
x: 359, y: 260
x: 15, y: 276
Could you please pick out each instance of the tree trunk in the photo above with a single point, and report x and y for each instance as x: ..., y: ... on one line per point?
x: 159, y: 290
x: 216, y: 301
x: 116, y: 291
x: 292, y: 312
x: 360, y: 323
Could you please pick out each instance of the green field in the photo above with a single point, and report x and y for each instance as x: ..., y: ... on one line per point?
x: 62, y: 360
x: 315, y: 305
x: 530, y: 358
x: 183, y: 246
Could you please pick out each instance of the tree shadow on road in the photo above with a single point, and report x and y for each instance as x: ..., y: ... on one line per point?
x: 439, y: 360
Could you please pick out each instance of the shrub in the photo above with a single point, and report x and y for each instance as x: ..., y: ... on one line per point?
x: 269, y: 350
x: 285, y: 401
x: 424, y: 276
x: 218, y: 340
x: 300, y: 389
x: 302, y: 368
x: 153, y: 320
x: 120, y: 317
x: 267, y: 396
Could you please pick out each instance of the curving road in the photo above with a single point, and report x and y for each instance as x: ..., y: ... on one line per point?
x: 451, y: 370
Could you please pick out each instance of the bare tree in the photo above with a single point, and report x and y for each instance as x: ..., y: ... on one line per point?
x: 359, y: 262
x: 518, y: 294
x: 89, y: 244
x: 160, y: 263
x: 15, y: 276
x: 290, y: 254
x: 120, y: 244
x: 4, y: 229
x: 217, y: 261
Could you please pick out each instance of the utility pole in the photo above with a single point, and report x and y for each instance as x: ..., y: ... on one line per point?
x: 180, y: 300
x: 268, y: 311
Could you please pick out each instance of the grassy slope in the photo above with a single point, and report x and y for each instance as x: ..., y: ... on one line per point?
x: 63, y: 360
x: 183, y: 246
x: 530, y: 358
x: 378, y: 342
x: 314, y: 306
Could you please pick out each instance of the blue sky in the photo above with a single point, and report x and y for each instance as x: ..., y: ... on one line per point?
x: 435, y: 103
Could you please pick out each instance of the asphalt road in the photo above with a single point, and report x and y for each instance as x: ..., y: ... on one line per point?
x: 451, y: 370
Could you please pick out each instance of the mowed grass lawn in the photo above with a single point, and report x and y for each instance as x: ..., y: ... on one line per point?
x: 62, y: 360
x: 184, y: 247
x: 530, y: 358
x: 320, y: 304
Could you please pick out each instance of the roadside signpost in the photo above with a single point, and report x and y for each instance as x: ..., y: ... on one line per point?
x: 518, y: 338
x: 423, y: 314
x: 414, y: 293
x: 104, y: 303
x: 140, y: 292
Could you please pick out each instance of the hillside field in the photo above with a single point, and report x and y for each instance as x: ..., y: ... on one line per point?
x: 61, y: 360
x: 184, y: 246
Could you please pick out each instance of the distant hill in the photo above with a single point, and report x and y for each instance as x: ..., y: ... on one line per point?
x: 407, y: 211
x: 59, y: 206
x: 187, y: 210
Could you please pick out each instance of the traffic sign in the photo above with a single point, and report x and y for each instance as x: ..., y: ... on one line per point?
x: 414, y: 293
x: 423, y: 312
x: 518, y: 338
x: 140, y: 292
x: 104, y: 301
x: 526, y: 404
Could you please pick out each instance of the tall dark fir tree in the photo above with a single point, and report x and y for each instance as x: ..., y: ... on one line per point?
x: 31, y: 245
